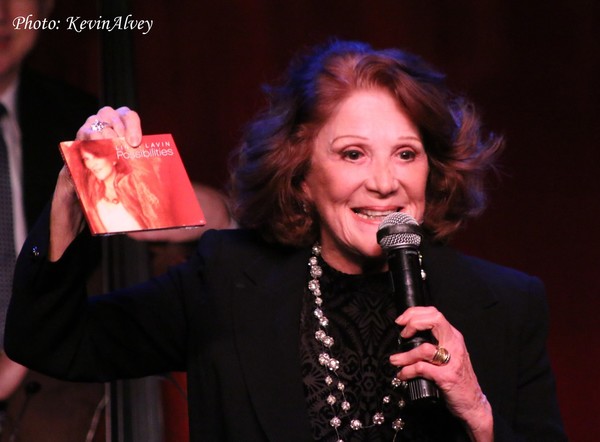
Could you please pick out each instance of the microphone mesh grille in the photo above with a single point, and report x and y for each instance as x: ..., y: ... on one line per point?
x: 394, y: 240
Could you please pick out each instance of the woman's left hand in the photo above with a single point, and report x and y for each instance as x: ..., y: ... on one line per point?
x: 455, y: 379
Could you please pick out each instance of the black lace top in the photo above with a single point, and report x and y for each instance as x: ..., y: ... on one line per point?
x: 361, y: 312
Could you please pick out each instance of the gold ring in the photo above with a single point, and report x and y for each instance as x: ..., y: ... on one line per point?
x: 441, y: 356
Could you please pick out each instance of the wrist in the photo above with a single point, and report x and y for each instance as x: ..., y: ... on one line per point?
x: 480, y: 423
x: 66, y: 222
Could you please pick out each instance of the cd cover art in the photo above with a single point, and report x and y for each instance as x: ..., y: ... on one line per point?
x: 126, y: 189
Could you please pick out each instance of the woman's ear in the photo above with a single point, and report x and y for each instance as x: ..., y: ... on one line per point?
x: 306, y: 190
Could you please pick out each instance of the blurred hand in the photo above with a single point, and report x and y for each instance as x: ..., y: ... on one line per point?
x: 11, y: 376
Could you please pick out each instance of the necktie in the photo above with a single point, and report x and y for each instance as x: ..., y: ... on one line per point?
x: 7, y: 245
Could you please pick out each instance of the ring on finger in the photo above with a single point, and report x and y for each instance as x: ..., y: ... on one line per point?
x: 99, y: 126
x: 441, y: 356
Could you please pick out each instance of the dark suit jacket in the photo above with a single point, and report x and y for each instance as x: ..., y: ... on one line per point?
x: 48, y: 112
x: 230, y: 318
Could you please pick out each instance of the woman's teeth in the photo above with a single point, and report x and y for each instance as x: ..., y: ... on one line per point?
x: 373, y: 214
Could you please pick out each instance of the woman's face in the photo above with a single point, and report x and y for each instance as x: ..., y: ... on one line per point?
x: 368, y: 160
x: 101, y: 167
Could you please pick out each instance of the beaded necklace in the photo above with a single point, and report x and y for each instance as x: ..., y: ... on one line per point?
x: 337, y: 400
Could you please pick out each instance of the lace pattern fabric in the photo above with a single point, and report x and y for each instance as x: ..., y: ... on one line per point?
x: 361, y: 311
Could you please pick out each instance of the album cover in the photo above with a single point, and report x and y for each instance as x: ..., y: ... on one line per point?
x: 125, y: 189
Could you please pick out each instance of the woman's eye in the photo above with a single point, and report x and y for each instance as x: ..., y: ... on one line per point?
x: 407, y: 155
x: 352, y: 155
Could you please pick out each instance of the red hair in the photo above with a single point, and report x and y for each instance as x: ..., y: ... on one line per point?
x: 103, y: 148
x: 276, y: 150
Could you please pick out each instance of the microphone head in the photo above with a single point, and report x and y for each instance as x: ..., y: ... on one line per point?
x: 398, y: 230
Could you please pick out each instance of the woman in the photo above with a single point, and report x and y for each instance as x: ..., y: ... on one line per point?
x: 351, y: 135
x: 123, y: 198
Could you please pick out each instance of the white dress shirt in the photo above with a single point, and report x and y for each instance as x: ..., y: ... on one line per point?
x: 12, y: 137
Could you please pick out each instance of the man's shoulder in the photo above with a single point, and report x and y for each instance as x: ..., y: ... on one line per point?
x: 39, y: 93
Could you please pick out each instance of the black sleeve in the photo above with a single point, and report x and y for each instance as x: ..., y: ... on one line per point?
x: 54, y: 328
x: 537, y: 416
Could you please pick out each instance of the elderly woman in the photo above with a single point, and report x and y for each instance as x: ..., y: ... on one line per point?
x: 287, y: 327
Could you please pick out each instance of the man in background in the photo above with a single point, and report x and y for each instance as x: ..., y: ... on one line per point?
x: 32, y: 128
x: 31, y: 132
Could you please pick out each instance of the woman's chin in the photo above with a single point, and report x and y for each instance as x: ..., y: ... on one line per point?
x: 371, y: 255
x: 373, y: 252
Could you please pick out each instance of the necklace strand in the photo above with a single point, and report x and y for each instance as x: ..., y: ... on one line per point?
x: 337, y: 400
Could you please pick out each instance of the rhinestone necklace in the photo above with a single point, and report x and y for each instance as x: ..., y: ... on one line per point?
x: 337, y: 400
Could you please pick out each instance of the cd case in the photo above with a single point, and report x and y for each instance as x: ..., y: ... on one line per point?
x: 126, y: 189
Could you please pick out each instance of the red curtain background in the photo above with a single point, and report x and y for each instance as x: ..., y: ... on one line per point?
x: 532, y: 67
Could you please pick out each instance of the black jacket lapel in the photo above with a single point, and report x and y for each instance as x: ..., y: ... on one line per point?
x: 269, y: 298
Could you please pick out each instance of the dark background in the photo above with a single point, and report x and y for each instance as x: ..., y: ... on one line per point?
x: 532, y: 68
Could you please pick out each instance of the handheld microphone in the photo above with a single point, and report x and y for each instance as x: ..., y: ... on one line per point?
x: 399, y: 235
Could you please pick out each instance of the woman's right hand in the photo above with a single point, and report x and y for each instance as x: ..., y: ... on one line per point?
x: 66, y: 217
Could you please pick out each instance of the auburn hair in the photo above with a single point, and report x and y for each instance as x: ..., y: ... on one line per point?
x: 270, y: 164
x: 105, y: 149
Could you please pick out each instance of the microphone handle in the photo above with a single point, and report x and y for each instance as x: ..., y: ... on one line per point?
x: 407, y: 282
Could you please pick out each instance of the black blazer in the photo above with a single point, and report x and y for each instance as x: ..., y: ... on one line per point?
x: 230, y: 318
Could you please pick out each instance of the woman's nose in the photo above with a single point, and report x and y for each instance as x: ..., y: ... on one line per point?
x: 382, y: 178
